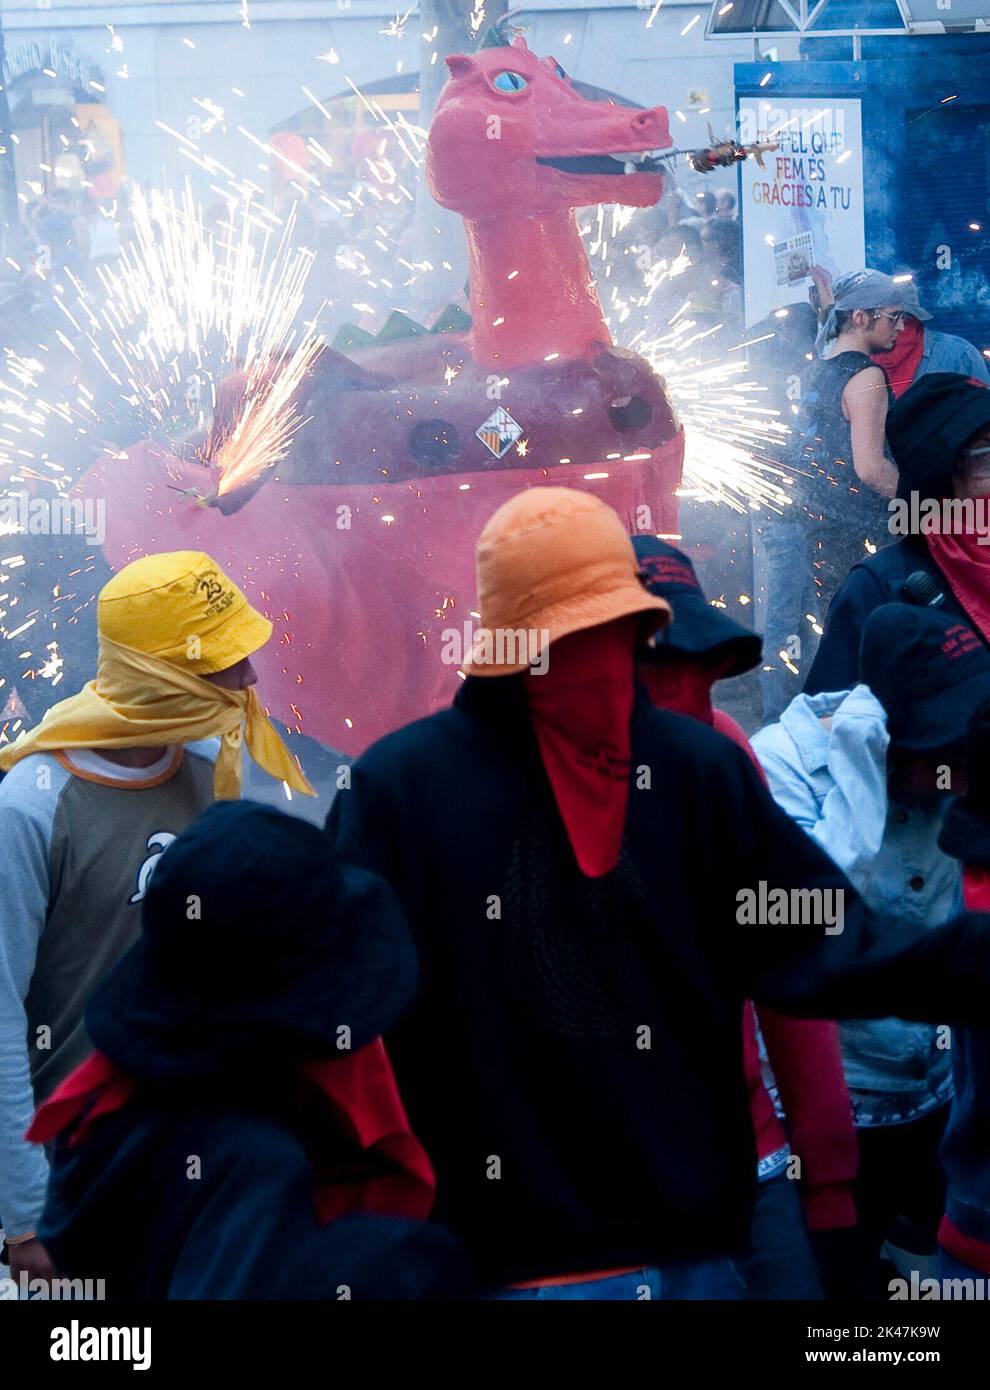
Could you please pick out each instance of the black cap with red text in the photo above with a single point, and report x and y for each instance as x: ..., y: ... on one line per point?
x: 930, y: 672
x: 696, y: 628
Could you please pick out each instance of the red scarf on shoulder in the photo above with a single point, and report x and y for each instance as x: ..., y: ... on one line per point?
x: 360, y: 1098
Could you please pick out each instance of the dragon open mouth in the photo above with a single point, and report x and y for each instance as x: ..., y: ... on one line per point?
x: 606, y: 163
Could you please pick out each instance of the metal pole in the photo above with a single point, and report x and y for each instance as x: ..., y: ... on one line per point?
x: 9, y: 209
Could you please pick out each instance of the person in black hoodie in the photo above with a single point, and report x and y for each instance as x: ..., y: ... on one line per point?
x: 238, y: 1133
x: 939, y: 436
x: 584, y: 877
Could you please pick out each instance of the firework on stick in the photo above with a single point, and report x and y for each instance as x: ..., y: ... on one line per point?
x: 187, y: 305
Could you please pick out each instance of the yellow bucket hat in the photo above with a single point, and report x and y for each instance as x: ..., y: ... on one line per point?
x: 165, y: 623
x: 552, y: 561
x: 181, y: 608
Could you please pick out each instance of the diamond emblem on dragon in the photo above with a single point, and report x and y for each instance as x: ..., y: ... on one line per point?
x: 359, y: 543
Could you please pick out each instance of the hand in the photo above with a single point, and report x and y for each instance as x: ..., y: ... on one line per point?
x: 823, y: 284
x: 31, y: 1257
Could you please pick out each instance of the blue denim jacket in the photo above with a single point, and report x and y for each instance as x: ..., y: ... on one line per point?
x: 834, y: 784
x: 945, y: 352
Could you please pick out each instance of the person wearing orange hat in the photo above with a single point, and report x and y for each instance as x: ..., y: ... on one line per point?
x: 594, y: 887
x: 589, y: 883
x: 91, y: 797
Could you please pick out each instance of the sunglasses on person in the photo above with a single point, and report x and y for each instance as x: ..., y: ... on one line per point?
x: 894, y: 318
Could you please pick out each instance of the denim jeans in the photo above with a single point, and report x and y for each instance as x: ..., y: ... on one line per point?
x: 698, y: 1279
x: 790, y: 596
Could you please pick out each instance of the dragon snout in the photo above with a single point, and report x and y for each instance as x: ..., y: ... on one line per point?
x: 653, y: 126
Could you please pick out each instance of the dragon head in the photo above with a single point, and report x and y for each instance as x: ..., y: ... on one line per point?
x: 511, y: 132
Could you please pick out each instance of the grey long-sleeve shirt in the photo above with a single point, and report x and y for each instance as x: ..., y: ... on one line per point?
x: 79, y: 846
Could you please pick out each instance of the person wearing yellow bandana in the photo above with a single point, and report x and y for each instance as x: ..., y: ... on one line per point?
x: 80, y: 844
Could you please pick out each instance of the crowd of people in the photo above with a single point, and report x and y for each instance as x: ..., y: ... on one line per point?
x: 860, y: 435
x: 580, y: 993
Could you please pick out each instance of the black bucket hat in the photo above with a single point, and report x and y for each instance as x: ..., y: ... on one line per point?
x: 258, y: 947
x: 928, y: 427
x: 696, y: 628
x: 928, y: 670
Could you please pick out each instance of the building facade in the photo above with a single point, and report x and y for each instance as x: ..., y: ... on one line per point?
x: 164, y: 78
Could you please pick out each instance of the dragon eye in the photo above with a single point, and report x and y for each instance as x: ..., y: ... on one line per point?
x: 556, y: 69
x: 510, y: 82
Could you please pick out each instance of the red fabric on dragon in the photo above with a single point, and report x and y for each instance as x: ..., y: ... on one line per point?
x: 361, y: 547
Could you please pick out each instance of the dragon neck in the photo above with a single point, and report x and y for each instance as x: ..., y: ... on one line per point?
x: 549, y: 305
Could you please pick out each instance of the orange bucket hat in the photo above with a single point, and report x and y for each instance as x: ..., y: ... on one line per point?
x: 552, y: 561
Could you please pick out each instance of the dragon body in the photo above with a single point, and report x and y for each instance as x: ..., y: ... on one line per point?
x: 359, y: 546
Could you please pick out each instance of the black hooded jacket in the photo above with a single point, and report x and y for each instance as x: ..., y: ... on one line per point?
x: 874, y: 581
x: 573, y: 1058
x: 180, y: 1195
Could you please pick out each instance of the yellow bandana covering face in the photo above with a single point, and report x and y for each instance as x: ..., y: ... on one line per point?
x: 164, y: 623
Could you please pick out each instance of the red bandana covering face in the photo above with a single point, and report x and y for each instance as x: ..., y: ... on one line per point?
x: 901, y: 363
x: 361, y: 1100
x: 680, y: 685
x: 581, y: 708
x: 685, y: 686
x: 966, y: 565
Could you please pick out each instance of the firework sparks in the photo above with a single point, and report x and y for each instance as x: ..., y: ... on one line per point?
x: 184, y: 306
x: 727, y: 430
x: 731, y: 436
x: 396, y: 28
x: 262, y: 435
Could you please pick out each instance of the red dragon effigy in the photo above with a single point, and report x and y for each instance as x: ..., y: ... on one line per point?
x: 359, y: 545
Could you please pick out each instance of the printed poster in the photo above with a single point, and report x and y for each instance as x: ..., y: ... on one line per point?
x: 805, y: 206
